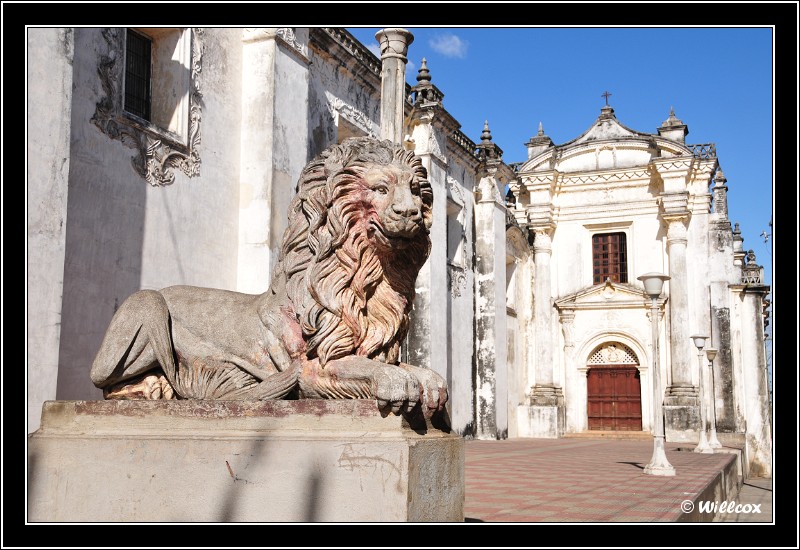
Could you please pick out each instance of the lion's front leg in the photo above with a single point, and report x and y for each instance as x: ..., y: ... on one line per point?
x: 433, y: 389
x: 396, y: 389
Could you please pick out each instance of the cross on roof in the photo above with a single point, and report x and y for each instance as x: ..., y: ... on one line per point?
x: 605, y: 95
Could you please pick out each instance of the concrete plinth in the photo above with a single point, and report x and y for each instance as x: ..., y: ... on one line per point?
x: 233, y: 461
x: 682, y: 419
x: 545, y: 421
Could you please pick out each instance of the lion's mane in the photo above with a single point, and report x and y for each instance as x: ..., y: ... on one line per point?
x: 349, y: 298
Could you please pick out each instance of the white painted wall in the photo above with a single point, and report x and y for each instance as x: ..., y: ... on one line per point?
x: 49, y: 108
x: 123, y: 234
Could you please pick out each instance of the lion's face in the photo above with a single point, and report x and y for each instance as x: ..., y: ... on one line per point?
x: 397, y: 212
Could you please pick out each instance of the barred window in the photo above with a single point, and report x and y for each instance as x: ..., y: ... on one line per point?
x: 609, y: 258
x: 137, y: 74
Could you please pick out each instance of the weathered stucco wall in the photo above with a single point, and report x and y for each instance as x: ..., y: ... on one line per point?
x: 124, y: 234
x: 460, y: 299
x: 50, y: 57
x: 334, y: 94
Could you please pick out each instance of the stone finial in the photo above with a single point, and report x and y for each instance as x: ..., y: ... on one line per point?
x: 486, y: 135
x: 673, y: 128
x: 720, y: 178
x: 607, y: 112
x: 486, y: 149
x: 672, y: 120
x: 394, y: 42
x: 424, y: 75
x: 538, y: 143
x: 737, y: 239
x: 751, y: 257
x: 423, y: 91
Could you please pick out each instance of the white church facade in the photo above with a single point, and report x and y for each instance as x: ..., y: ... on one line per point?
x: 530, y: 303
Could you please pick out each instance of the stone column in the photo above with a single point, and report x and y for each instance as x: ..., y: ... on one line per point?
x: 273, y: 131
x: 758, y: 437
x: 681, y: 410
x: 427, y: 340
x: 50, y: 55
x: 547, y: 399
x: 394, y: 44
x: 490, y: 311
x: 721, y: 273
x: 574, y: 416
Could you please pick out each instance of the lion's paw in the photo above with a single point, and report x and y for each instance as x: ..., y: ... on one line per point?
x: 396, y: 389
x: 433, y: 389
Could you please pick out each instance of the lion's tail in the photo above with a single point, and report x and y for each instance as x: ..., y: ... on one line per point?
x: 142, y: 320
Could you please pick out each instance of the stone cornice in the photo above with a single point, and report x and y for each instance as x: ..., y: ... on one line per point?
x: 626, y: 209
x: 338, y: 43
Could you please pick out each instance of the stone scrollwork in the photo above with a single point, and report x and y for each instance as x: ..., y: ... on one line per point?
x: 338, y: 106
x: 288, y: 36
x: 157, y: 152
x: 456, y: 280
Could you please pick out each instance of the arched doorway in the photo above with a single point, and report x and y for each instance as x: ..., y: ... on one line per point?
x: 614, y: 390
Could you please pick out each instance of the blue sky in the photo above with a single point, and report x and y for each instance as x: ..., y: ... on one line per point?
x: 718, y: 80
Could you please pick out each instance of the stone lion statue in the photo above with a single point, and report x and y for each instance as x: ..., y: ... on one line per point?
x: 331, y: 324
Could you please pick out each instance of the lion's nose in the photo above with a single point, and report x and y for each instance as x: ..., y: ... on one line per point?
x: 407, y: 210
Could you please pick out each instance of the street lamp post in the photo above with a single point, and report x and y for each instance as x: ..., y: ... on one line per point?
x: 702, y: 445
x: 658, y: 465
x: 713, y: 442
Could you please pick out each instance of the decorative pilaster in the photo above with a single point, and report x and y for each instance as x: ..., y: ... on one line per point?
x: 428, y: 341
x: 758, y: 435
x: 720, y: 193
x: 394, y: 44
x: 274, y: 126
x: 681, y: 408
x: 681, y: 402
x: 490, y: 277
x: 546, y: 410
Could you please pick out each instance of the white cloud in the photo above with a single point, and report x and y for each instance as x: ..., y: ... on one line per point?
x: 376, y: 49
x: 411, y: 68
x: 449, y: 45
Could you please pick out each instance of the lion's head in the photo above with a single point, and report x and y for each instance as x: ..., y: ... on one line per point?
x: 359, y: 231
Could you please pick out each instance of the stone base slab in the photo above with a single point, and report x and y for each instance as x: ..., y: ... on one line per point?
x: 682, y: 423
x: 545, y: 421
x: 235, y: 461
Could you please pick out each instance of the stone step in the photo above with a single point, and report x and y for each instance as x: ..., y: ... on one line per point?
x: 610, y: 434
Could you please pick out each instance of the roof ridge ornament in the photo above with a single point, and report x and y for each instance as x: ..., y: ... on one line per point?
x: 424, y: 75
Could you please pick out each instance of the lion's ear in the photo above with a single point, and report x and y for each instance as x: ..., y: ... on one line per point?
x: 335, y: 160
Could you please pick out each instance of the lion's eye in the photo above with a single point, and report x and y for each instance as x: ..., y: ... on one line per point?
x: 382, y: 189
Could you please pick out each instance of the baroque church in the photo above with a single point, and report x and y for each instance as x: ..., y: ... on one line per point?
x: 170, y: 155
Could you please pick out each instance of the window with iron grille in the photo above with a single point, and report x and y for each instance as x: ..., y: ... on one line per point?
x: 609, y: 258
x: 137, y: 74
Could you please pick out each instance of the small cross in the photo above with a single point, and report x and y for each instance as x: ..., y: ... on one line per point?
x: 605, y: 95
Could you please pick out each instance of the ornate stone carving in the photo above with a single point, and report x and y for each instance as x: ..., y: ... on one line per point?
x: 331, y: 324
x: 567, y: 317
x: 157, y: 154
x: 456, y: 280
x: 613, y: 353
x: 542, y: 241
x: 676, y: 232
x: 288, y: 36
x: 454, y: 191
x: 337, y: 106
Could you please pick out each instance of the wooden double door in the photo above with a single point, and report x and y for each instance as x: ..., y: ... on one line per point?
x: 614, y: 398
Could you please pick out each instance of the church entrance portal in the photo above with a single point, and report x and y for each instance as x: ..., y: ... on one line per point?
x: 614, y: 390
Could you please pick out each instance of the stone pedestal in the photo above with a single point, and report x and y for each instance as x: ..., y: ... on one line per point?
x: 545, y: 415
x: 682, y: 418
x: 234, y: 461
